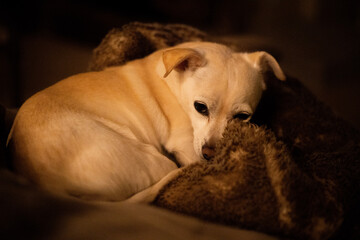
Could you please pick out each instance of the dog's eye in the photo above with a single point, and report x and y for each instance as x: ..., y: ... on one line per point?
x: 243, y: 116
x: 201, y: 108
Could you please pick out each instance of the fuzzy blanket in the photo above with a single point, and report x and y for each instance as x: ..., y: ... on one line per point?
x: 293, y: 172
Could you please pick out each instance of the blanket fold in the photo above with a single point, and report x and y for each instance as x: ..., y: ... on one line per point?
x: 293, y: 172
x: 295, y: 182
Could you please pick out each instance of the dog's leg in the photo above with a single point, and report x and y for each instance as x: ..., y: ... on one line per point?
x: 87, y: 157
x: 149, y: 194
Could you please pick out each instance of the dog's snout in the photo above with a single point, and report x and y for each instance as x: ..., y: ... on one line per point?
x: 208, y: 152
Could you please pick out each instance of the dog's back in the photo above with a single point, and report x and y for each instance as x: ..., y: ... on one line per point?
x: 96, y: 134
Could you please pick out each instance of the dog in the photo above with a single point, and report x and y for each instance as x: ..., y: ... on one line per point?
x: 122, y: 133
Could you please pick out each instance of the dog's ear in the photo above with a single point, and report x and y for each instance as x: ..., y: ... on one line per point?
x: 182, y: 59
x: 265, y: 62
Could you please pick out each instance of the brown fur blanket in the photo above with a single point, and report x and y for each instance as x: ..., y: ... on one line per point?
x: 293, y: 172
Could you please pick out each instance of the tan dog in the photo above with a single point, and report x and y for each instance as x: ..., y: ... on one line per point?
x: 109, y: 135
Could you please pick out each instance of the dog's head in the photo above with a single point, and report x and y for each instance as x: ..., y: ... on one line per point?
x: 216, y: 85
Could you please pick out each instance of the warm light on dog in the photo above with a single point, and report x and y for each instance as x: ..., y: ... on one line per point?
x: 121, y: 133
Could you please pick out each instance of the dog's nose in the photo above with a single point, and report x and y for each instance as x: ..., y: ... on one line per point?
x: 208, y: 152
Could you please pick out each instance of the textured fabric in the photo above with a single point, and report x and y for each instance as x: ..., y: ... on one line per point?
x: 137, y: 40
x: 295, y: 176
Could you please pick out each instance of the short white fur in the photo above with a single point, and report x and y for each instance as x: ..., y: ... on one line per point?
x: 106, y: 135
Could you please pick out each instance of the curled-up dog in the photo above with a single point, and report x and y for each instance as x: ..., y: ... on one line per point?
x: 122, y: 133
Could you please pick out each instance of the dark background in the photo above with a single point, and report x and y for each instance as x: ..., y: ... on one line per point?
x: 42, y: 42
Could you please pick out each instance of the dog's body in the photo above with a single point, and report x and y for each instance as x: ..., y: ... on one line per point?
x: 107, y: 135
